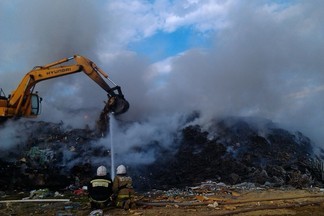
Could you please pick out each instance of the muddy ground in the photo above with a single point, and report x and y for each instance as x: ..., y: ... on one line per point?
x: 259, y: 201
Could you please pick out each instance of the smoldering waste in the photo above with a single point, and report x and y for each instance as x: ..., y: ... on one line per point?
x: 236, y: 150
x: 231, y: 150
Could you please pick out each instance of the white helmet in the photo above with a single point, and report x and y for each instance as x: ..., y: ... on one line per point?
x: 121, y: 169
x: 101, y: 171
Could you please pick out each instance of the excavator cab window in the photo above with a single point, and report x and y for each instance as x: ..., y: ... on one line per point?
x: 35, y: 104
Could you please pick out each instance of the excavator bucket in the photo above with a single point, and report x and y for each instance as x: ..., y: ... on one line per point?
x: 117, y: 105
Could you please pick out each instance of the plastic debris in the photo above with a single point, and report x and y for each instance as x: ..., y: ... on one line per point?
x: 97, y: 212
x: 213, y: 205
x: 39, y: 194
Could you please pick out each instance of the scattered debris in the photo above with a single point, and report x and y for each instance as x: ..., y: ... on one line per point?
x: 39, y: 194
x: 97, y: 212
x: 213, y: 205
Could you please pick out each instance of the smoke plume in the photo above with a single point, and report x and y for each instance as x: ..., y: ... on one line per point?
x: 265, y: 60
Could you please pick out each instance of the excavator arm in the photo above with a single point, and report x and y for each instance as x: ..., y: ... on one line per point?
x: 24, y: 103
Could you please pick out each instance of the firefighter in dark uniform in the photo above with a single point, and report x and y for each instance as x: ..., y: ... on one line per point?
x: 100, y: 189
x: 123, y: 189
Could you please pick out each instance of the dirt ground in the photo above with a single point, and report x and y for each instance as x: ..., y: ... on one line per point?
x: 226, y: 202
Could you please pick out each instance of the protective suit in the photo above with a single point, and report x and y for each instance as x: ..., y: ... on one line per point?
x: 100, y: 189
x: 123, y: 189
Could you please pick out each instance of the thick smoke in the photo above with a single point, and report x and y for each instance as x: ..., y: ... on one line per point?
x: 140, y: 142
x: 12, y: 135
x: 265, y: 60
x: 39, y: 32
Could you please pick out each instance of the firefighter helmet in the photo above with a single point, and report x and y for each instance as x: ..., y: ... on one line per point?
x: 121, y: 169
x: 101, y: 171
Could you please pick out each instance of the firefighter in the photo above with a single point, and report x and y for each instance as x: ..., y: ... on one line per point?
x: 123, y: 189
x: 100, y: 189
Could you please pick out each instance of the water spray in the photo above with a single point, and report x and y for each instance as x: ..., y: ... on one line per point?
x: 112, y: 151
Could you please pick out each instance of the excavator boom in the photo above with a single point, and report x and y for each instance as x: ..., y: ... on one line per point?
x: 24, y: 103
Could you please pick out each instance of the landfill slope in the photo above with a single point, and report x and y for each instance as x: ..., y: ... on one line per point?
x: 236, y: 150
x: 232, y: 150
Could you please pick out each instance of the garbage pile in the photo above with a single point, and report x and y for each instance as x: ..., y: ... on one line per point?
x: 232, y: 151
x: 201, y: 192
x: 52, y: 156
x: 236, y: 150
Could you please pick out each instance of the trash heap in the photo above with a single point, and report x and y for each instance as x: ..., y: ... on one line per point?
x: 237, y: 150
x: 52, y: 156
x: 232, y: 151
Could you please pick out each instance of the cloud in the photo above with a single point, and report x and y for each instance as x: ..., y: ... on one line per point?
x: 307, y: 92
x: 202, y: 15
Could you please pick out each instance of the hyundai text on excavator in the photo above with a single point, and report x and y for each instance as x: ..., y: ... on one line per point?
x: 24, y: 102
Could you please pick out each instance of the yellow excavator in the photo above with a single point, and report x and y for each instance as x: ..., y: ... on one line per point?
x: 24, y: 102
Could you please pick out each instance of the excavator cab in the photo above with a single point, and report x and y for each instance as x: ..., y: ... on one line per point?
x: 35, y: 105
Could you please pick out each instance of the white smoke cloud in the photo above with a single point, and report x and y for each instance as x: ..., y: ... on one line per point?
x: 40, y: 32
x: 266, y: 60
x: 11, y: 134
x: 139, y: 142
x: 259, y: 64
